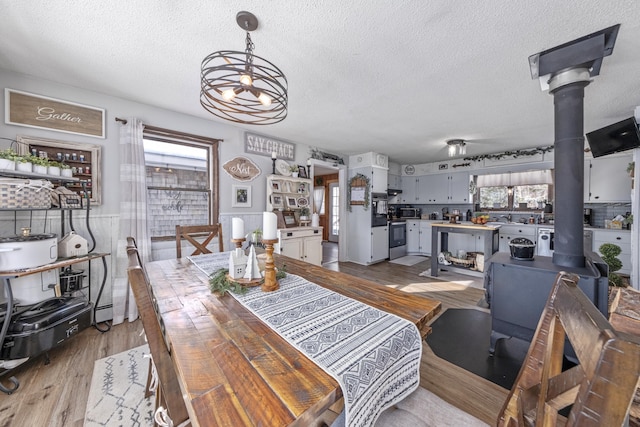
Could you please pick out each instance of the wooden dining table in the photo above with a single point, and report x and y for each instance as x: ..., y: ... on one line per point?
x: 233, y: 369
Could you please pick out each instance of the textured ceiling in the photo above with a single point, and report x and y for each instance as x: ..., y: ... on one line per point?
x: 398, y: 78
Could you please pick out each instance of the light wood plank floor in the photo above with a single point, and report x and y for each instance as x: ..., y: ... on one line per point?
x: 56, y: 394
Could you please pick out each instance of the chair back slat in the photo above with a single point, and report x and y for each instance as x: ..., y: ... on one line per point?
x: 194, y: 235
x: 600, y: 388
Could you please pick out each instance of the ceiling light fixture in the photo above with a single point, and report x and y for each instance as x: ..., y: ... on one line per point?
x: 242, y: 87
x: 457, y: 147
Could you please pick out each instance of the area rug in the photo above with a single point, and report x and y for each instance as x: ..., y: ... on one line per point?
x: 409, y: 260
x: 116, y: 396
x: 461, y: 336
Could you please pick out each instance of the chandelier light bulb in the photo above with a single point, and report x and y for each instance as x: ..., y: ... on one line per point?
x: 452, y: 150
x: 228, y: 94
x: 264, y: 99
x: 246, y: 80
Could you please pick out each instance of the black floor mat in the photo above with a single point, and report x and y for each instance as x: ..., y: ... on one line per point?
x: 461, y: 336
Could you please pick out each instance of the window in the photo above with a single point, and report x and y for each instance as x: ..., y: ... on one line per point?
x: 523, y: 190
x: 182, y: 181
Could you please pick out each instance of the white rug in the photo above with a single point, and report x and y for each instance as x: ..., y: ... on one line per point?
x: 116, y: 396
x: 409, y: 260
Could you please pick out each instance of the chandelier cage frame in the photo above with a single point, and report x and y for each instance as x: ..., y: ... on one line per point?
x: 223, y: 93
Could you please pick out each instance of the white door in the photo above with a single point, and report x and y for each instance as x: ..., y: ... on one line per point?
x: 379, y: 243
x: 334, y: 212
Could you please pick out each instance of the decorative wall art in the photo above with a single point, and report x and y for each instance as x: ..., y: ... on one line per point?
x: 241, y: 169
x: 358, y: 193
x: 267, y: 146
x: 85, y: 161
x: 241, y: 196
x: 36, y: 111
x: 302, y: 172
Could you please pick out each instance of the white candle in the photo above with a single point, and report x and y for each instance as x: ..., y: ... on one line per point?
x: 237, y: 228
x: 273, y: 154
x: 308, y: 162
x: 269, y: 226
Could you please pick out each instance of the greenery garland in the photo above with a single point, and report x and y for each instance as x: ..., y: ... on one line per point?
x: 514, y: 154
x: 220, y: 283
x: 359, y: 177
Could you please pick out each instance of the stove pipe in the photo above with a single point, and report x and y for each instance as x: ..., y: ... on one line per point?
x: 567, y: 88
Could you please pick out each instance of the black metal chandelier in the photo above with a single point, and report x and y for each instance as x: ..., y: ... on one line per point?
x: 242, y: 87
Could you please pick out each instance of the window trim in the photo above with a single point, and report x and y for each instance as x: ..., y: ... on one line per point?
x: 187, y: 139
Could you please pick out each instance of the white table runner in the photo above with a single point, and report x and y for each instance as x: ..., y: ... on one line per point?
x: 374, y: 355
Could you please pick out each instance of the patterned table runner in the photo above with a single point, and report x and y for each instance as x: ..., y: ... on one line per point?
x: 374, y: 355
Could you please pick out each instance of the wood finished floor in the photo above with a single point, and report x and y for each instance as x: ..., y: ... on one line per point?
x: 56, y: 394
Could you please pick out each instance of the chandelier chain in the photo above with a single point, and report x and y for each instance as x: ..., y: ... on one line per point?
x: 249, y: 51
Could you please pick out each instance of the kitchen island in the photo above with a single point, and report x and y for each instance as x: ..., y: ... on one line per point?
x: 235, y: 370
x: 490, y: 235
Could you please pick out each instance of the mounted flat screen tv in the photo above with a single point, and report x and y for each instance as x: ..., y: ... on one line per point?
x: 614, y: 138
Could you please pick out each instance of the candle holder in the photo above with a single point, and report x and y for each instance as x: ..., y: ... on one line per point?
x: 238, y: 242
x: 273, y: 166
x: 270, y: 282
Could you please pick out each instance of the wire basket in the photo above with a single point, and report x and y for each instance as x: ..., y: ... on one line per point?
x: 467, y: 262
x: 71, y: 280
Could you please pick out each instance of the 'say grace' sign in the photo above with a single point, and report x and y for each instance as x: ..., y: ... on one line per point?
x: 30, y: 110
x: 266, y: 146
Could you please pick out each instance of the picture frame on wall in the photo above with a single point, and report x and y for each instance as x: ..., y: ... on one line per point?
x: 275, y: 186
x: 302, y: 172
x: 241, y: 196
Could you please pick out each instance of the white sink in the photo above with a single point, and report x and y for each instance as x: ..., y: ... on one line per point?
x: 494, y: 224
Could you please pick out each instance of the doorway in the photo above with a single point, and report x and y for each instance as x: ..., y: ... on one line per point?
x: 333, y: 208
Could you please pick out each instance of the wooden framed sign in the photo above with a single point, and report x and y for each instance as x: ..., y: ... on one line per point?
x: 35, y: 111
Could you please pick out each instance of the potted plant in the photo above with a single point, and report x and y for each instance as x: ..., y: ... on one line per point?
x: 23, y: 163
x: 8, y: 159
x: 304, y: 214
x: 54, y: 168
x: 65, y: 170
x: 294, y: 170
x: 610, y: 254
x: 40, y: 164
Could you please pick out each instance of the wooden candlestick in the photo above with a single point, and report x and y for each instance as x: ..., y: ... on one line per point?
x: 238, y: 242
x: 270, y: 282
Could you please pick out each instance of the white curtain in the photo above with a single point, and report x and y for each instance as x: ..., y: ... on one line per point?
x: 133, y: 216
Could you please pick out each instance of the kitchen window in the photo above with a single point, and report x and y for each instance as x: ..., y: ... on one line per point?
x: 517, y: 190
x: 182, y: 181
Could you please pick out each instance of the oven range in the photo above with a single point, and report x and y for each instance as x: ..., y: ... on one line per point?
x: 397, y: 239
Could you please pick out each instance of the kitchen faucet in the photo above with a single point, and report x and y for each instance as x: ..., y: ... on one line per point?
x: 506, y: 216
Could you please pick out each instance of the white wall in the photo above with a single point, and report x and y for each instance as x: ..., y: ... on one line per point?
x: 104, y: 218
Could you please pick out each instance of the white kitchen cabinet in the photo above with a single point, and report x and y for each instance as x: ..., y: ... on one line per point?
x: 606, y: 179
x: 379, y: 244
x: 459, y: 187
x: 303, y: 243
x: 510, y: 232
x: 394, y: 181
x: 441, y: 188
x: 413, y: 237
x: 425, y: 237
x: 617, y: 237
x: 379, y: 180
x: 409, y: 184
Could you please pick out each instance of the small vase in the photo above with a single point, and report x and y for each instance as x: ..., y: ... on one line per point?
x: 7, y: 164
x: 40, y: 169
x: 24, y: 167
x: 315, y: 220
x: 294, y: 174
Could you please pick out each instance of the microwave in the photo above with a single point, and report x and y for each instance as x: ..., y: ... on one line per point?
x: 410, y: 213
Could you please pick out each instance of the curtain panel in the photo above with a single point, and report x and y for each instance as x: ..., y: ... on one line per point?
x: 133, y: 216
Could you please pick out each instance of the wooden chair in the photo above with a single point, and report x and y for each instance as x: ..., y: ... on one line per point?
x: 168, y: 394
x: 600, y: 387
x: 191, y: 232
